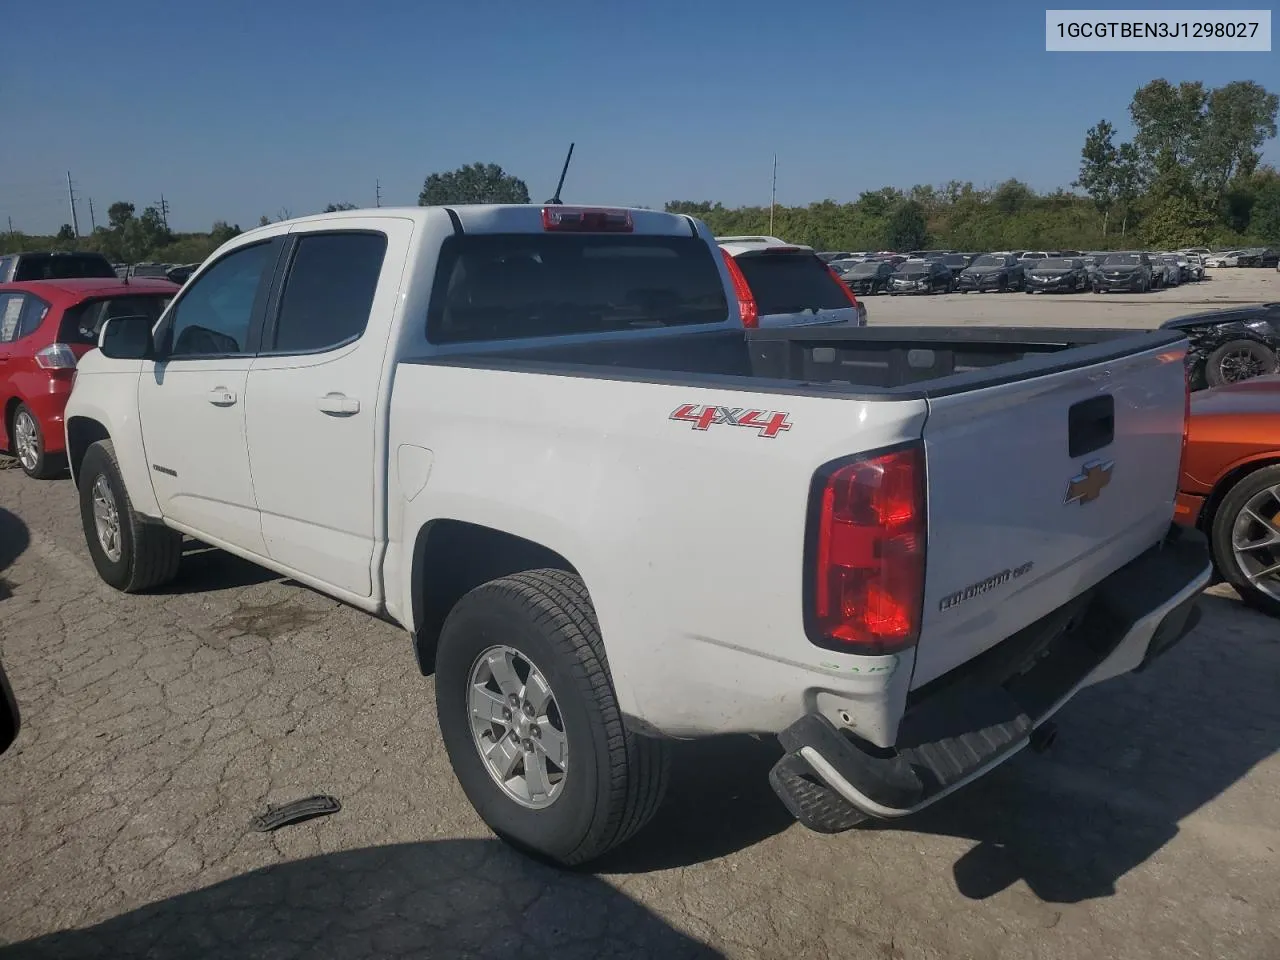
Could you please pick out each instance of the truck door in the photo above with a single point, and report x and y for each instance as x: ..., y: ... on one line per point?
x: 315, y: 443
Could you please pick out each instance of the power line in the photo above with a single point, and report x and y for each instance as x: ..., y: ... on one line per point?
x: 71, y: 198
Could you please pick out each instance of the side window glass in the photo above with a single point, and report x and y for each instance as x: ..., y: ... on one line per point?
x: 214, y: 315
x: 329, y: 291
x: 33, y: 313
x: 10, y: 316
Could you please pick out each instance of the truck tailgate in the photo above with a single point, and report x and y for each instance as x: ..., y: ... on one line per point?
x: 1038, y: 489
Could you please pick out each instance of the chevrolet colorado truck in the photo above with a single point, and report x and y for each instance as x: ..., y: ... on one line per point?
x: 541, y: 440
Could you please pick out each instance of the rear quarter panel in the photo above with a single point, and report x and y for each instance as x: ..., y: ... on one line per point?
x: 689, y: 541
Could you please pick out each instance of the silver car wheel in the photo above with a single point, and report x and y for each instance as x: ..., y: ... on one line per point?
x: 106, y: 518
x: 517, y: 727
x: 26, y: 440
x: 1255, y: 541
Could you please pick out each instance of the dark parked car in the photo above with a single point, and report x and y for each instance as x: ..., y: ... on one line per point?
x: 1264, y: 257
x: 956, y: 262
x: 1058, y: 275
x: 1231, y: 345
x: 1123, y: 271
x: 921, y: 276
x: 869, y: 277
x: 48, y: 265
x: 992, y: 271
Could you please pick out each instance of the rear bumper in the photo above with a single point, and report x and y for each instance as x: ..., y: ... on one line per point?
x: 967, y: 723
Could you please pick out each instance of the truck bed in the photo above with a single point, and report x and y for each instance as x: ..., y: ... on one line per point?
x: 892, y: 363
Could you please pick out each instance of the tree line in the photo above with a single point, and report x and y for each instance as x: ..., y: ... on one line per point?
x: 1192, y: 174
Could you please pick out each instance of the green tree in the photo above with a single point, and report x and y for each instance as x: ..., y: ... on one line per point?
x: 1169, y: 120
x: 119, y: 214
x: 1099, y: 160
x: 66, y: 238
x: 906, y: 228
x: 335, y: 207
x: 1239, y: 118
x: 473, y: 183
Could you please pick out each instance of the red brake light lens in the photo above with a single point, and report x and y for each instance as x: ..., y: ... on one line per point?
x: 747, y: 307
x: 866, y: 553
x: 586, y: 220
x: 56, y: 356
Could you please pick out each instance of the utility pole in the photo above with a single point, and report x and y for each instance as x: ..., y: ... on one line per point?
x: 93, y: 224
x: 377, y: 193
x: 773, y: 194
x: 164, y: 211
x: 71, y: 198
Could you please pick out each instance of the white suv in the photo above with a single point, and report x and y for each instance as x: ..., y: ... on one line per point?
x: 780, y: 284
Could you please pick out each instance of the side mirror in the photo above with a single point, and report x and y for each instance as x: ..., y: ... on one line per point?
x: 127, y: 338
x: 10, y: 722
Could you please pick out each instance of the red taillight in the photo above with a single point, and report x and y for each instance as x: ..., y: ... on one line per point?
x: 747, y: 308
x: 586, y: 220
x: 848, y: 291
x: 866, y: 545
x: 56, y: 356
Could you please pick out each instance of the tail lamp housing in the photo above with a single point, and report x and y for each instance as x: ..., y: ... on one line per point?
x: 56, y: 356
x: 747, y: 307
x: 865, y: 546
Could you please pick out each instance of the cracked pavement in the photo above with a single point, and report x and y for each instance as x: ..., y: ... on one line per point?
x: 155, y: 727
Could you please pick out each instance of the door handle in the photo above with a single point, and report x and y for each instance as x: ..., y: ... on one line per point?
x: 338, y: 404
x: 222, y: 397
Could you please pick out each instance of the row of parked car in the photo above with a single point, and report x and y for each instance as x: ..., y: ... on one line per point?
x: 1056, y: 271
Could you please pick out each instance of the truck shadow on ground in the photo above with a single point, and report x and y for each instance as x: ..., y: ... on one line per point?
x: 449, y: 898
x: 719, y: 802
x: 14, y: 540
x: 1135, y: 756
x: 207, y: 569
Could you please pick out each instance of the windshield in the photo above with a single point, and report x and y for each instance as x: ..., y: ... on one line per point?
x: 62, y: 266
x: 1054, y: 263
x: 83, y: 322
x: 913, y: 268
x: 991, y: 261
x: 1122, y: 260
x: 864, y: 269
x: 502, y: 286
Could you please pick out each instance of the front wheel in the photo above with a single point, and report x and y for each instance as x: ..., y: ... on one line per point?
x: 1246, y: 539
x: 129, y: 552
x: 1238, y: 360
x: 531, y: 722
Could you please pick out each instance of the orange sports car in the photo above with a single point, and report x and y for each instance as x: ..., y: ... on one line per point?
x: 1230, y: 485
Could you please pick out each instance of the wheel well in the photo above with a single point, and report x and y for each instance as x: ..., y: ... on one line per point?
x: 11, y: 411
x: 452, y: 557
x: 1220, y: 490
x: 82, y: 433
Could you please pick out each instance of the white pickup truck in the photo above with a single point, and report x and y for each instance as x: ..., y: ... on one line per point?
x: 541, y: 440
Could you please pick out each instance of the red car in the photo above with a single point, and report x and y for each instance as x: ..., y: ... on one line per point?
x: 1230, y: 485
x: 45, y: 326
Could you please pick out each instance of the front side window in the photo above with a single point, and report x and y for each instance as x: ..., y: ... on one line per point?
x: 329, y: 292
x: 215, y: 314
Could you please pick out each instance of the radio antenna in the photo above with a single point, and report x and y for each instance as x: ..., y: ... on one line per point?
x: 563, y: 170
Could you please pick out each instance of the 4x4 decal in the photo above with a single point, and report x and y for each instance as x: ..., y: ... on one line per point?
x: 767, y: 423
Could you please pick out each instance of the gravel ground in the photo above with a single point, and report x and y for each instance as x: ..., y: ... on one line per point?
x: 156, y: 726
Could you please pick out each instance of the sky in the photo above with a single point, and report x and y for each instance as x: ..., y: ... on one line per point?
x: 235, y: 109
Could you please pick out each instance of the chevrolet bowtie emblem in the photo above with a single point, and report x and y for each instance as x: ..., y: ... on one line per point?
x: 1088, y: 485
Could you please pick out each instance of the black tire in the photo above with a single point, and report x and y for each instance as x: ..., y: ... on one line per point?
x: 47, y: 465
x: 1262, y: 356
x: 615, y: 779
x: 1224, y: 519
x: 1004, y: 285
x: 149, y: 552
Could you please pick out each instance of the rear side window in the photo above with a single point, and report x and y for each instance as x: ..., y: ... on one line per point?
x: 20, y: 316
x: 507, y: 286
x: 791, y: 283
x: 63, y: 266
x: 83, y: 322
x: 329, y: 292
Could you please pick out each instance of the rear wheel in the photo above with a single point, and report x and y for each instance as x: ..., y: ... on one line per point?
x: 1246, y: 539
x: 531, y: 722
x: 27, y: 444
x: 129, y: 552
x: 1239, y: 360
